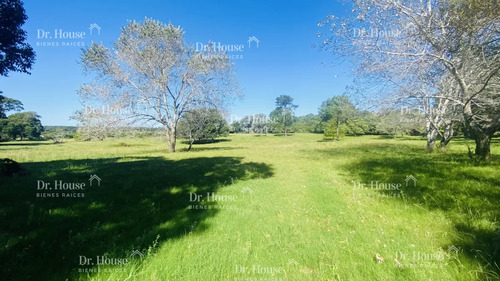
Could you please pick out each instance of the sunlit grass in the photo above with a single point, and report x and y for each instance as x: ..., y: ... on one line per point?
x: 296, y: 213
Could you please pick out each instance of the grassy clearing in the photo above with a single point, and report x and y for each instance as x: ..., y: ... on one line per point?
x: 289, y: 208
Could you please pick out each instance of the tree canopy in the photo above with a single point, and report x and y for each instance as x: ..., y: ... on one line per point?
x: 283, y: 114
x: 152, y: 76
x: 15, y: 53
x: 202, y: 125
x: 23, y: 125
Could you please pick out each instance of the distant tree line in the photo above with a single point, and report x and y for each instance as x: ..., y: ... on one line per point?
x: 18, y: 56
x: 21, y: 125
x: 337, y: 117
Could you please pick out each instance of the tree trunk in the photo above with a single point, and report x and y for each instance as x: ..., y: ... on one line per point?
x: 483, y: 146
x: 190, y: 144
x: 285, y: 129
x: 447, y: 136
x: 431, y: 136
x: 338, y: 137
x: 481, y: 135
x: 171, y: 139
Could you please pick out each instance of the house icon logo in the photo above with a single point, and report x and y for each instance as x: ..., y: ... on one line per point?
x: 247, y: 189
x: 95, y: 26
x: 136, y: 253
x: 292, y: 262
x: 95, y: 177
x: 253, y: 39
x: 411, y: 178
x: 453, y: 249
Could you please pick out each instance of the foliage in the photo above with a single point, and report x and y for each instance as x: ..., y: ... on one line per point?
x: 310, y: 123
x: 339, y: 110
x: 235, y: 127
x: 436, y: 55
x: 24, y: 125
x: 247, y: 123
x: 59, y: 132
x: 260, y: 123
x: 8, y: 104
x: 152, y: 76
x: 15, y: 53
x: 202, y: 124
x: 283, y: 116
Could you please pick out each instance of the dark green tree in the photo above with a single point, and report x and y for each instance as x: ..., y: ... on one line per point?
x: 283, y: 114
x: 235, y: 127
x: 259, y: 123
x: 8, y: 104
x: 24, y: 125
x: 309, y: 123
x: 247, y: 123
x: 15, y: 53
x: 338, y: 111
x: 202, y: 125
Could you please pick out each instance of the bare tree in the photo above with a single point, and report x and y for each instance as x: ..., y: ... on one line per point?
x: 392, y: 39
x: 152, y: 76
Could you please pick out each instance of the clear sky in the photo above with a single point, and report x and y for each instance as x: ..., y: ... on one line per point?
x: 285, y: 61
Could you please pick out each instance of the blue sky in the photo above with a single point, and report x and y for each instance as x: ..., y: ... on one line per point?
x: 284, y: 62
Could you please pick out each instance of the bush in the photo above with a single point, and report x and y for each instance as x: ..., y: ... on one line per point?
x: 8, y: 167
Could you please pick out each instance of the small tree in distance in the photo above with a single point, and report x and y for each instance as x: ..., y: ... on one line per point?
x: 259, y: 124
x: 25, y: 125
x: 202, y: 125
x: 283, y: 114
x: 336, y: 112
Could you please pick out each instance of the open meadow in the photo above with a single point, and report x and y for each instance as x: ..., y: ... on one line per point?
x: 249, y: 207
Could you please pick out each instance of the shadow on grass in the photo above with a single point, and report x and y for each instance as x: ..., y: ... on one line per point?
x: 138, y: 200
x: 124, y: 144
x: 207, y: 141
x: 403, y: 137
x: 327, y: 140
x: 30, y: 143
x: 206, y: 148
x: 466, y: 191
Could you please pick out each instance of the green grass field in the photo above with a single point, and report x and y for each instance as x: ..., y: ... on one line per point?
x: 285, y: 208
